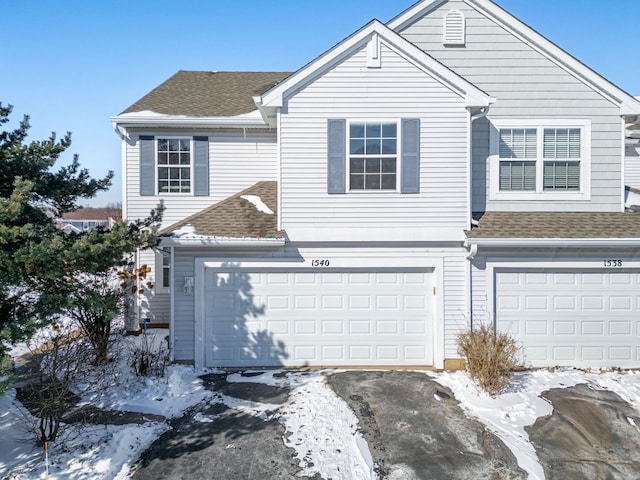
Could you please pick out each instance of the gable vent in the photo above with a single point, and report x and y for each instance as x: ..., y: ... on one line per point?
x: 454, y: 28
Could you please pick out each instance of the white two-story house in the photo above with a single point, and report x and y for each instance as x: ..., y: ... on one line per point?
x: 449, y: 168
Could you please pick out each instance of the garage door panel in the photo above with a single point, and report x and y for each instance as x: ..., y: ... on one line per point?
x: 581, y: 318
x: 318, y: 318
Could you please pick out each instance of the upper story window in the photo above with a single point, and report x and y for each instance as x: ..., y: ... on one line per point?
x: 542, y: 159
x: 178, y: 165
x: 174, y: 165
x: 373, y: 156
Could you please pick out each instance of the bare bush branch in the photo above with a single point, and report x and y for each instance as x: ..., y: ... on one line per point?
x: 490, y: 356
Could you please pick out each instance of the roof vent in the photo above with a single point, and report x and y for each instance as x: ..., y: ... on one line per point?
x: 454, y: 28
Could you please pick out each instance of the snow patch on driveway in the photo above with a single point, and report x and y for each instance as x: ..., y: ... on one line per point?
x: 319, y: 425
x: 324, y: 431
x: 520, y: 406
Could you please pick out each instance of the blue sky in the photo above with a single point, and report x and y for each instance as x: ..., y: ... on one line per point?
x: 71, y: 64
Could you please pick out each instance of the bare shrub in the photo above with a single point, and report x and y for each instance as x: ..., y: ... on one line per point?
x: 490, y: 356
x: 149, y: 355
x: 58, y: 371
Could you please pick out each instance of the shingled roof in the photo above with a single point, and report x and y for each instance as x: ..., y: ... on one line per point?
x: 208, y: 94
x: 236, y: 217
x: 556, y: 225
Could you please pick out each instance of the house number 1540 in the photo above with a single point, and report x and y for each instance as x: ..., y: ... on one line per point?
x: 320, y: 263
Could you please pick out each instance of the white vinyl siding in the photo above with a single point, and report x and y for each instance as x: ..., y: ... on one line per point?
x: 398, y: 89
x: 154, y: 303
x: 527, y: 85
x: 237, y: 160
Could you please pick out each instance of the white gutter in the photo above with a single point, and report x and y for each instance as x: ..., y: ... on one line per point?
x: 553, y: 242
x: 632, y: 133
x: 120, y: 132
x: 188, y: 122
x: 221, y: 242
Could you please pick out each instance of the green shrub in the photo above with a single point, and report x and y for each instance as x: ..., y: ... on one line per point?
x: 6, y: 373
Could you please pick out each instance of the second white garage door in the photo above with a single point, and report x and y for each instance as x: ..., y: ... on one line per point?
x: 581, y: 318
x: 327, y: 318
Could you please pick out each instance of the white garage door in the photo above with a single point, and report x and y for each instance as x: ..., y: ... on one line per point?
x: 585, y: 318
x: 328, y: 318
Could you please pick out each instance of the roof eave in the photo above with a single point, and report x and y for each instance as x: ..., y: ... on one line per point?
x: 222, y: 242
x: 554, y: 242
x: 629, y: 106
x: 474, y: 97
x: 151, y: 121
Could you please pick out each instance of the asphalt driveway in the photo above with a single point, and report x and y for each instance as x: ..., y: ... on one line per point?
x: 414, y: 427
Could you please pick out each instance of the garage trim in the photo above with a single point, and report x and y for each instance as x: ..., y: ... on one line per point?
x: 337, y: 262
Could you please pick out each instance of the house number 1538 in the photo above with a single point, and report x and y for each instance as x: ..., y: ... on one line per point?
x: 612, y: 263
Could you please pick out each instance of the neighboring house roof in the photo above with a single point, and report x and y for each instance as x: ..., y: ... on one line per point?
x: 272, y: 99
x: 628, y: 104
x: 556, y: 225
x: 90, y: 213
x: 207, y: 94
x: 248, y: 214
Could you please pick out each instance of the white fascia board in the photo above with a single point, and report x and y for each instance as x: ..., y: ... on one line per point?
x: 474, y: 97
x: 629, y: 105
x: 407, y: 17
x: 221, y: 242
x: 151, y: 119
x: 554, y: 242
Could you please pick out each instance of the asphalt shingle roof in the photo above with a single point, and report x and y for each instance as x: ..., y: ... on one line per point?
x: 557, y: 225
x: 208, y: 94
x: 236, y: 217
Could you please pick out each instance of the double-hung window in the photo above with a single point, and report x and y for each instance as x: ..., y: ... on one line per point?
x: 540, y: 159
x: 174, y: 165
x: 373, y: 156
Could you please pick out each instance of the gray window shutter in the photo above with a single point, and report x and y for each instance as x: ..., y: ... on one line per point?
x: 201, y: 166
x: 410, y: 155
x: 147, y: 166
x: 337, y: 148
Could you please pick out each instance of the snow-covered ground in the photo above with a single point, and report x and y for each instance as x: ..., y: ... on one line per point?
x: 320, y: 426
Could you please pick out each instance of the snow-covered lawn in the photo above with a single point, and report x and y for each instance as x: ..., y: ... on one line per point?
x: 320, y: 426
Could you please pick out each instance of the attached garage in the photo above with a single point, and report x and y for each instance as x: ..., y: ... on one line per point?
x: 317, y: 317
x: 571, y: 317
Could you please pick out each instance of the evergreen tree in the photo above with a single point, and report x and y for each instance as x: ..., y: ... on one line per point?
x: 39, y: 264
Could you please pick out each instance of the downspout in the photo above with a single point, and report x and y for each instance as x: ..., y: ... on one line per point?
x: 473, y: 249
x: 172, y: 300
x: 482, y: 113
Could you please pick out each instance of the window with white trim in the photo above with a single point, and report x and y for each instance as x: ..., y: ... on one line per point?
x: 373, y: 156
x: 173, y: 165
x: 541, y: 157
